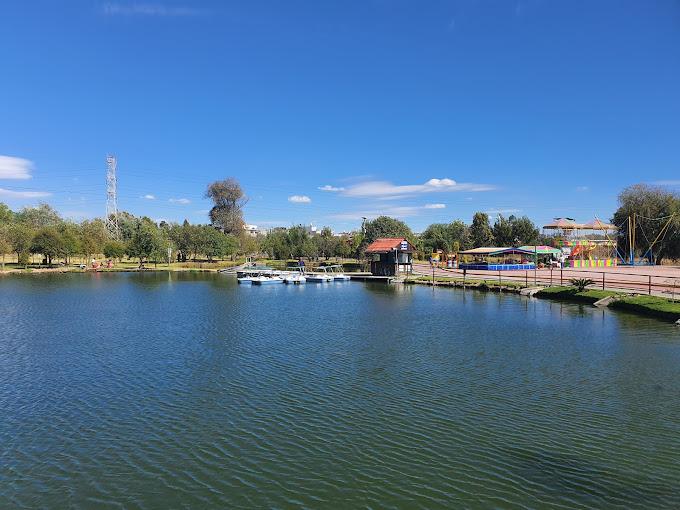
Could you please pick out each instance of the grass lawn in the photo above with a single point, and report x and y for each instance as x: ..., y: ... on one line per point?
x: 654, y: 306
x: 470, y: 282
x: 572, y: 294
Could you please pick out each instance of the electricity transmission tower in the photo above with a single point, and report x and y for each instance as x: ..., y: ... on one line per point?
x: 111, y: 201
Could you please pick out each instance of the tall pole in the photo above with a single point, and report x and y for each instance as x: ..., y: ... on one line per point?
x: 535, y: 263
x: 111, y: 220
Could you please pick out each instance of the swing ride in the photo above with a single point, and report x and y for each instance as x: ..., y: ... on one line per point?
x: 601, y: 244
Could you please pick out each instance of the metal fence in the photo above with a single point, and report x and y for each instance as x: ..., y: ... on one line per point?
x: 614, y: 280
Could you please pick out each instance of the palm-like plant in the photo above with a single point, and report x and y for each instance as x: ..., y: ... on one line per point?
x: 581, y: 283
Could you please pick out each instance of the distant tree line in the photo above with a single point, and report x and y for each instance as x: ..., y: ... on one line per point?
x: 41, y: 231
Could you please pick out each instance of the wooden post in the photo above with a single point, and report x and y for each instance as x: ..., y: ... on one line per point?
x: 464, y: 273
x: 650, y: 284
x: 560, y: 276
x: 603, y: 280
x: 551, y: 275
x: 500, y: 281
x: 526, y: 278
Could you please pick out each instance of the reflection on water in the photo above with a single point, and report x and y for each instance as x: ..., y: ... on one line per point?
x: 185, y: 389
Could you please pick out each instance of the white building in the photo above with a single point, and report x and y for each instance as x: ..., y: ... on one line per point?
x: 251, y: 230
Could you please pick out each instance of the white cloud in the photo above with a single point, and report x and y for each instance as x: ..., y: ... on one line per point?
x: 149, y: 197
x: 396, y: 212
x: 328, y: 187
x: 503, y: 211
x: 182, y: 201
x: 387, y: 190
x: 15, y: 168
x: 582, y: 188
x: 299, y: 199
x: 23, y: 194
x: 147, y: 9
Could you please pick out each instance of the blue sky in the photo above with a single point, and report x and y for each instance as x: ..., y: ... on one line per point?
x: 330, y: 111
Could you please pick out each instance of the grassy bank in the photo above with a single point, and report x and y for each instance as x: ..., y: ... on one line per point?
x: 589, y: 296
x: 650, y: 306
x: 443, y: 281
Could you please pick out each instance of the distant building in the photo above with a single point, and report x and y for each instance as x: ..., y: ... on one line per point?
x: 251, y: 230
x: 390, y: 256
x: 311, y: 229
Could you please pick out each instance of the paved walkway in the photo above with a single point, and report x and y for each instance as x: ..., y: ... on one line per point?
x: 658, y: 280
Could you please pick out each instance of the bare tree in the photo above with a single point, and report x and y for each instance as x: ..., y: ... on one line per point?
x: 229, y: 200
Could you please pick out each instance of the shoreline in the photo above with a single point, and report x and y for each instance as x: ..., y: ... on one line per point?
x: 639, y: 304
x: 657, y: 307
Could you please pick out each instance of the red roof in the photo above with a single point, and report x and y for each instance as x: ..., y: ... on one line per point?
x: 385, y: 244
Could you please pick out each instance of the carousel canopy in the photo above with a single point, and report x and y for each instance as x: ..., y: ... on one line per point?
x: 599, y: 225
x: 563, y: 224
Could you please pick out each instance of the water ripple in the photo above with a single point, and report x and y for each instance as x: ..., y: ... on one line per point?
x: 156, y: 391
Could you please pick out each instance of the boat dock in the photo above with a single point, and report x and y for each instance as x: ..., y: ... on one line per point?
x: 368, y: 277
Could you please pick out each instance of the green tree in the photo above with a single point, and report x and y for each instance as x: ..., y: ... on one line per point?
x: 215, y: 244
x: 181, y: 237
x: 6, y: 215
x: 502, y: 232
x: 49, y: 243
x: 145, y: 242
x: 652, y: 207
x: 459, y: 233
x: 20, y: 238
x: 70, y: 240
x: 384, y: 226
x: 276, y: 244
x: 344, y: 247
x: 127, y: 224
x: 436, y: 237
x: 524, y: 231
x: 5, y: 245
x: 480, y: 231
x: 309, y: 248
x: 298, y: 242
x: 228, y: 199
x: 113, y: 249
x: 92, y: 237
x: 326, y: 243
x: 38, y: 217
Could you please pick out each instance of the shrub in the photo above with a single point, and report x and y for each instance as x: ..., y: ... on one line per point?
x: 581, y: 283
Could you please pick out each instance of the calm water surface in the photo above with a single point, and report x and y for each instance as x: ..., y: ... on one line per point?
x: 186, y: 390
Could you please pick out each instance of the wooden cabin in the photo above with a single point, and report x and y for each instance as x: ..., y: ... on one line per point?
x: 390, y: 256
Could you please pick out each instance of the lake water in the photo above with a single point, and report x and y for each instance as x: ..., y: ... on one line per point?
x: 187, y: 390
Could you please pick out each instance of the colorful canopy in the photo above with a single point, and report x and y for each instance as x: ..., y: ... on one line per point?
x: 599, y: 225
x: 496, y: 251
x: 541, y: 250
x: 563, y: 224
